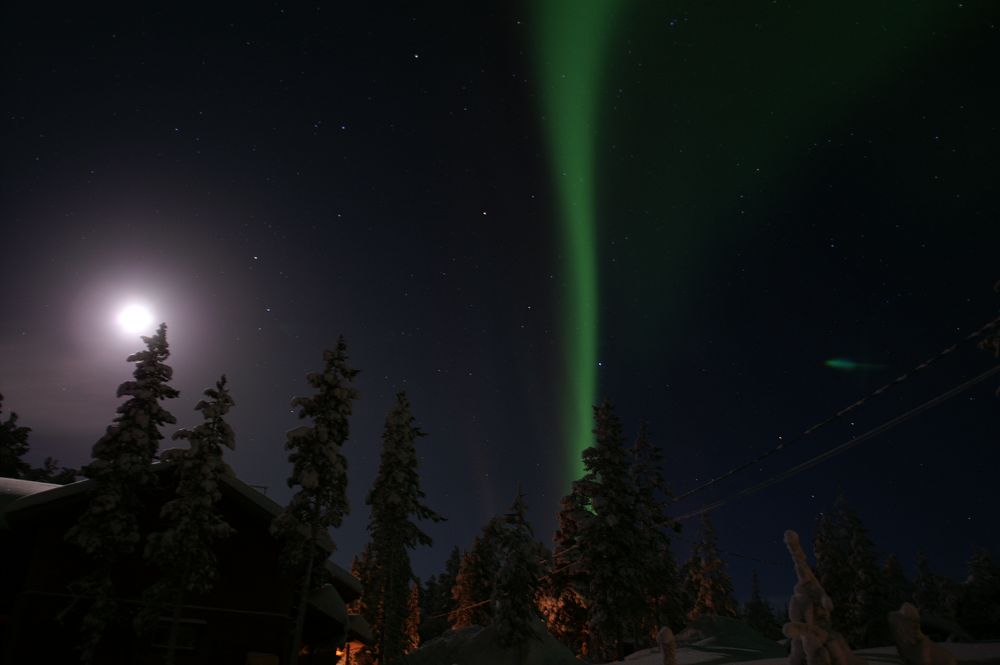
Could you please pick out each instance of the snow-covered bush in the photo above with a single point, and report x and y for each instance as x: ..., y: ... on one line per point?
x: 810, y: 628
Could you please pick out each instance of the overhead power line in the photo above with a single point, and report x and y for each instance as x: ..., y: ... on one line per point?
x: 979, y: 332
x: 847, y: 445
x: 839, y: 414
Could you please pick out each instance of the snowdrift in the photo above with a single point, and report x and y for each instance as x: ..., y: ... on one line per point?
x: 728, y: 636
x: 478, y: 646
x: 974, y: 653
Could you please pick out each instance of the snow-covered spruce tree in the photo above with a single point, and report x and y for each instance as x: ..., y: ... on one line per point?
x: 759, y: 614
x: 866, y: 608
x: 929, y: 589
x: 396, y: 499
x: 514, y: 610
x: 979, y: 598
x: 609, y: 540
x: 109, y: 529
x: 51, y: 472
x: 319, y: 471
x: 848, y: 570
x: 831, y: 545
x: 473, y: 586
x: 436, y: 602
x: 898, y: 588
x: 13, y: 446
x: 707, y: 577
x: 654, y: 557
x: 184, y: 551
x: 563, y: 603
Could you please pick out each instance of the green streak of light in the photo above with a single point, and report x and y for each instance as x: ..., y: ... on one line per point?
x: 572, y: 36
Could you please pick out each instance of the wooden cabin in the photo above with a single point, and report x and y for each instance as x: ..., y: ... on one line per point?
x: 245, y: 619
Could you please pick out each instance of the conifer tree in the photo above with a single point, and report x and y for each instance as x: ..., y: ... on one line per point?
x: 831, y: 545
x: 689, y: 584
x: 514, y: 610
x: 52, y: 472
x: 473, y: 586
x: 411, y: 629
x: 896, y: 586
x: 564, y: 605
x: 708, y: 578
x: 928, y: 588
x: 979, y: 606
x: 433, y: 623
x: 437, y: 602
x: 363, y: 570
x: 13, y: 446
x: 759, y: 614
x: 847, y: 568
x: 109, y: 529
x: 319, y: 471
x: 609, y: 538
x: 865, y: 608
x: 184, y: 551
x: 396, y: 499
x: 654, y: 557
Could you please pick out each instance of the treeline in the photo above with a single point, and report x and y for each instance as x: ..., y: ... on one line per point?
x: 609, y: 582
x: 14, y: 446
x: 864, y: 586
x: 612, y: 579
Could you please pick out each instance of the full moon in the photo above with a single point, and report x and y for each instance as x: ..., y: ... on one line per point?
x: 135, y: 319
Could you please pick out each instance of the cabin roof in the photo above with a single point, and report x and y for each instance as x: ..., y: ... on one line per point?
x: 24, y: 500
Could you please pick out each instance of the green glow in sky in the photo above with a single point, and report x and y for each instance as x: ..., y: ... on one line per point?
x: 850, y: 365
x: 572, y: 37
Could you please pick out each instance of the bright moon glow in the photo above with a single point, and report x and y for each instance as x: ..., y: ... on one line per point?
x: 135, y: 319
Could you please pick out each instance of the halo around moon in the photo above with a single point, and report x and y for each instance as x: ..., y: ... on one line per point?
x: 135, y: 318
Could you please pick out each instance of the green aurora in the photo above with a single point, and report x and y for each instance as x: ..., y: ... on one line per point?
x: 706, y: 128
x: 572, y: 38
x: 849, y: 365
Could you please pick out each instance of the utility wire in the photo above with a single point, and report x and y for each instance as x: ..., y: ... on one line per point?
x: 839, y: 414
x: 822, y: 457
x: 847, y: 445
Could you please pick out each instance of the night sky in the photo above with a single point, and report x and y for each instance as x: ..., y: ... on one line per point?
x: 511, y: 211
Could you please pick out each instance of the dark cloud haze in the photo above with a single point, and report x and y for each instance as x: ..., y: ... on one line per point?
x: 776, y: 185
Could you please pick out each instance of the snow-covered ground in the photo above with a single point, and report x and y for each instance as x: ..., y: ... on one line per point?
x: 709, y: 641
x: 964, y: 652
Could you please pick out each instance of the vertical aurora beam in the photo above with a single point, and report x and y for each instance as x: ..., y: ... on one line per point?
x: 571, y: 39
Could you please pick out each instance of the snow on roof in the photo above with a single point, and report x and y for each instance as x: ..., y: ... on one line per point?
x: 15, y: 489
x: 359, y: 629
x: 328, y: 601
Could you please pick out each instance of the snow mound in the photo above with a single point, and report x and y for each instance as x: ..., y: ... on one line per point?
x: 975, y: 653
x: 479, y: 646
x: 728, y: 636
